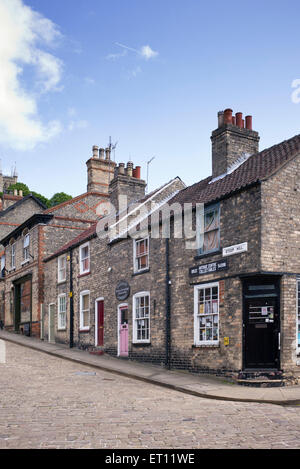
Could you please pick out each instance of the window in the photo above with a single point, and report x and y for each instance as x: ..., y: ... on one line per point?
x: 13, y: 256
x: 26, y: 247
x: 2, y: 266
x: 62, y: 268
x: 211, y: 229
x: 85, y: 258
x: 84, y: 310
x: 206, y: 314
x: 141, y: 317
x: 62, y: 311
x: 141, y: 254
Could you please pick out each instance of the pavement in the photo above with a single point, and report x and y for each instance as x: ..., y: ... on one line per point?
x: 181, y: 381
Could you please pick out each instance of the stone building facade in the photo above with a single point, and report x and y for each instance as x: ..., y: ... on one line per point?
x: 227, y: 304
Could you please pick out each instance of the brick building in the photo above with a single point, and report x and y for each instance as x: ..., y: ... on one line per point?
x: 227, y: 304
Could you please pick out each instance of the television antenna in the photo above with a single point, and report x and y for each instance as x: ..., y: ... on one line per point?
x: 148, y: 164
x: 112, y: 148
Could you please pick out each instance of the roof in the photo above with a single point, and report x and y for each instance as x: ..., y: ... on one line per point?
x: 74, y: 199
x: 20, y: 202
x: 29, y: 223
x: 92, y: 231
x: 256, y: 168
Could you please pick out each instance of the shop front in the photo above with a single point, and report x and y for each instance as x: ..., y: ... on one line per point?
x: 23, y: 305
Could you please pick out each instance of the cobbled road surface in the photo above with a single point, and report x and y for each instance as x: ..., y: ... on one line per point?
x: 47, y: 402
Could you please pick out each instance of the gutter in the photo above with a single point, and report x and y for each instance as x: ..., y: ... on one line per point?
x: 71, y: 301
x: 168, y: 308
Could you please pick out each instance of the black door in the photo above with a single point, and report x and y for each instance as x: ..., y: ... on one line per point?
x: 261, y: 327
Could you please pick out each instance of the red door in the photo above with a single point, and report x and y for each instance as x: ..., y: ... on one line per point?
x: 123, y: 332
x: 100, y: 313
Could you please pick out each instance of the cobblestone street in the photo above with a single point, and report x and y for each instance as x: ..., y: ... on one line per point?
x: 47, y: 402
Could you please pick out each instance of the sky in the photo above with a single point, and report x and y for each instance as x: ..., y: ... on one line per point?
x: 151, y: 74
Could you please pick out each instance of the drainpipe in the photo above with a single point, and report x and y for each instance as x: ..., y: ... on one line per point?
x: 168, y: 309
x: 71, y: 302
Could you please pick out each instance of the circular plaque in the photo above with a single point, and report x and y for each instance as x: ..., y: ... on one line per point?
x: 122, y: 290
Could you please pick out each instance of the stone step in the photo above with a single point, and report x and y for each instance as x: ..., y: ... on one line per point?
x: 261, y: 383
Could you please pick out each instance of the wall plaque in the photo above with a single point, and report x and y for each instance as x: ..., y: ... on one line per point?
x: 122, y: 290
x: 209, y: 268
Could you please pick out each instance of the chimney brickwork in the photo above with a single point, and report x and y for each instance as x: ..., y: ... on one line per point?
x: 231, y: 140
x: 127, y: 182
x: 100, y: 170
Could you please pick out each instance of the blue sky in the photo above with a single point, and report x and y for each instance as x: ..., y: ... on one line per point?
x: 75, y: 84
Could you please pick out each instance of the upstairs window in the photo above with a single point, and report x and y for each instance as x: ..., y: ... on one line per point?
x: 84, y: 258
x: 3, y: 266
x: 26, y: 243
x: 210, y: 241
x: 62, y: 269
x: 13, y: 256
x: 141, y: 254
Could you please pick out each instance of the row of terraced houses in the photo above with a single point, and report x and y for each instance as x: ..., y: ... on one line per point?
x: 227, y: 305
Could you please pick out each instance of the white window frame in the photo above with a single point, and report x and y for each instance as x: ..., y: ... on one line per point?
x: 61, y: 326
x: 26, y: 245
x: 135, y: 258
x: 81, y: 259
x: 60, y: 269
x: 81, y: 326
x: 13, y: 256
x: 134, y: 319
x: 197, y: 316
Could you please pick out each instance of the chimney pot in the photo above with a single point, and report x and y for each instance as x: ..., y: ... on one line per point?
x: 21, y: 193
x: 101, y: 153
x: 129, y: 168
x: 220, y: 119
x: 121, y: 168
x: 107, y: 153
x: 249, y: 122
x: 233, y: 120
x: 15, y: 192
x: 228, y: 116
x: 239, y: 119
x: 138, y: 172
x: 95, y: 151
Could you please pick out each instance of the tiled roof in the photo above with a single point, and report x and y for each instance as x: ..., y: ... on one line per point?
x: 256, y: 168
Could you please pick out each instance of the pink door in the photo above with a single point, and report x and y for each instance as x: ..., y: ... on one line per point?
x: 123, y: 332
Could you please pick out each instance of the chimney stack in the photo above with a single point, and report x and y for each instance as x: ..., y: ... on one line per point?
x: 127, y: 182
x: 100, y: 171
x: 231, y: 140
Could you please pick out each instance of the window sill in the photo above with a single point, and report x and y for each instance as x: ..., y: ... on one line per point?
x: 207, y: 345
x: 63, y: 329
x: 208, y: 254
x: 140, y: 272
x: 61, y: 282
x: 82, y: 331
x: 84, y: 274
x: 25, y: 262
x: 142, y: 344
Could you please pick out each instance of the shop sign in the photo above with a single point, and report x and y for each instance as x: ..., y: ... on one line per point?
x: 236, y: 249
x: 209, y: 268
x: 122, y: 290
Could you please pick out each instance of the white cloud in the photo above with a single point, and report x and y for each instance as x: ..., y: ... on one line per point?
x: 145, y: 51
x: 148, y: 53
x: 23, y: 32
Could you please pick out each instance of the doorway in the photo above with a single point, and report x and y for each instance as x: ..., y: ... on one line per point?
x: 261, y: 324
x: 99, y: 329
x: 123, y: 330
x: 51, y: 323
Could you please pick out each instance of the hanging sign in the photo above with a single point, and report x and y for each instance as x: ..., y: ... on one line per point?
x: 122, y: 290
x: 236, y: 249
x: 209, y: 268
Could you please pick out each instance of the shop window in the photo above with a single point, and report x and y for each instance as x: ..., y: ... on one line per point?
x: 206, y: 314
x: 141, y: 317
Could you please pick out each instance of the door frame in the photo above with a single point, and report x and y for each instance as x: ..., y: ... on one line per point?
x: 49, y: 306
x: 120, y: 306
x: 261, y: 279
x: 96, y: 318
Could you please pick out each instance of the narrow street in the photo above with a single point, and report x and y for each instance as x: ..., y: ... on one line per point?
x: 47, y: 402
